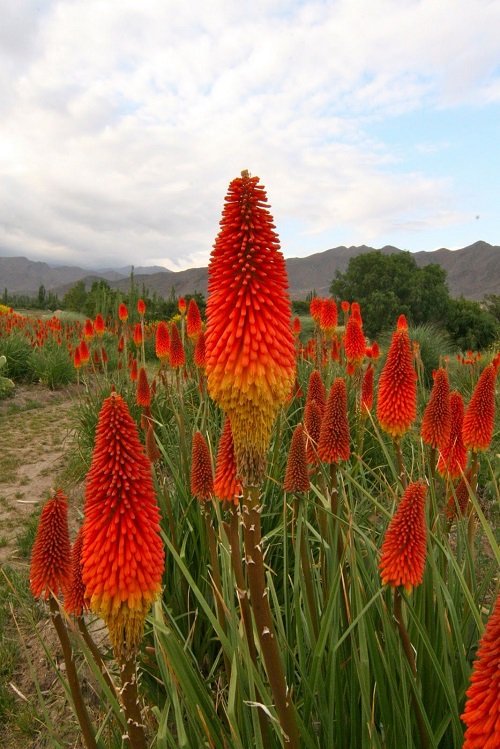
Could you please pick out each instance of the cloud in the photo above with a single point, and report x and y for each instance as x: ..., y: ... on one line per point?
x: 122, y: 123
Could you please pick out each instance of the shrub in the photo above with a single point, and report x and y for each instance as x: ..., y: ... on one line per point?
x: 52, y: 366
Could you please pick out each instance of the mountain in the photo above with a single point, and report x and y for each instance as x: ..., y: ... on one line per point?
x: 473, y: 271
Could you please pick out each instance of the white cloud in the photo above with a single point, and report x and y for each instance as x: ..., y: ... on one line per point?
x: 121, y: 124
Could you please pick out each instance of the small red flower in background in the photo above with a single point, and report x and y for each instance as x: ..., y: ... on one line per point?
x: 315, y: 306
x: 193, y: 320
x: 335, y: 350
x: 181, y: 305
x: 367, y: 390
x: 199, y: 351
x: 121, y: 344
x: 316, y: 391
x: 88, y: 330
x: 479, y: 417
x: 453, y: 454
x: 122, y: 312
x: 84, y: 352
x: 334, y: 438
x: 177, y: 353
x: 403, y: 552
x: 312, y: 427
x: 345, y: 306
x: 74, y: 600
x: 137, y: 337
x: 227, y: 487
x: 482, y: 707
x: 77, y: 362
x: 296, y: 326
x: 50, y: 558
x: 134, y: 374
x: 436, y: 422
x: 296, y: 475
x: 99, y: 325
x: 397, y: 387
x: 328, y: 316
x: 202, y: 481
x: 141, y: 307
x: 143, y: 394
x: 162, y: 341
x: 354, y: 341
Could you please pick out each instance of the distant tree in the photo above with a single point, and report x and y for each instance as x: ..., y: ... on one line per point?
x: 491, y: 304
x: 76, y: 297
x: 42, y: 296
x: 389, y: 285
x: 470, y: 326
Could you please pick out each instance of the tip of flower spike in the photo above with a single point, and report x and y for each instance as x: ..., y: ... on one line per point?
x: 402, y: 323
x: 245, y: 173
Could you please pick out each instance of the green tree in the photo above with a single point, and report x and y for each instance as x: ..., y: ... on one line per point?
x: 76, y: 297
x: 491, y: 303
x: 470, y: 326
x: 42, y: 296
x: 389, y: 285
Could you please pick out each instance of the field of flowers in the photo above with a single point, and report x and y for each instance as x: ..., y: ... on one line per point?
x: 291, y: 542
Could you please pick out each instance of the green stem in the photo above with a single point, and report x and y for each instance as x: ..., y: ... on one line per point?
x: 308, y: 581
x: 399, y: 459
x: 216, y: 578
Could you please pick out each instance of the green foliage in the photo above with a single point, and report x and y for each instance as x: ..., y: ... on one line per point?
x: 300, y: 307
x: 434, y: 344
x: 470, y: 326
x: 52, y: 366
x: 76, y: 297
x: 491, y: 304
x: 6, y: 385
x: 389, y: 285
x: 17, y: 351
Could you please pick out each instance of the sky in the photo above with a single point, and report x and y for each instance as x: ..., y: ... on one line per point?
x: 122, y: 124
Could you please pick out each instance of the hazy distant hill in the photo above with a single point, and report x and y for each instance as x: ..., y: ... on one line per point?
x: 472, y: 271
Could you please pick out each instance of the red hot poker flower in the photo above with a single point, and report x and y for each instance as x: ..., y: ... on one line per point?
x: 143, y: 394
x: 436, y: 422
x: 122, y: 555
x: 50, y: 558
x: 181, y: 305
x: 402, y: 559
x: 84, y: 352
x: 453, y: 455
x: 202, y: 480
x: 296, y: 326
x: 328, y: 316
x: 99, y: 325
x: 177, y: 353
x: 312, y: 425
x: 397, y: 387
x: 200, y: 351
x: 250, y: 349
x: 134, y: 374
x: 334, y: 438
x: 296, y: 475
x: 226, y: 484
x: 137, y: 334
x: 354, y: 341
x: 88, y: 330
x: 193, y: 320
x: 74, y: 600
x: 77, y: 362
x: 315, y: 307
x: 141, y: 307
x: 482, y: 707
x: 162, y: 341
x: 122, y: 312
x: 367, y: 390
x: 316, y: 390
x: 479, y: 417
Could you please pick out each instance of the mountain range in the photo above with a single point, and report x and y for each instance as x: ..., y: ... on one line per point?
x: 472, y: 271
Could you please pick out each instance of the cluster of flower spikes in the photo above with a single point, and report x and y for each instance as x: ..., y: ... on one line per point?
x: 227, y: 486
x: 122, y: 555
x: 403, y: 552
x: 482, y: 707
x: 436, y: 421
x: 250, y: 351
x: 397, y: 387
x: 50, y: 570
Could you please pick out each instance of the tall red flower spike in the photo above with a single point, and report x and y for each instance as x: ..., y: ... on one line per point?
x: 181, y: 305
x: 162, y: 341
x: 134, y: 374
x: 88, y: 330
x: 482, y: 707
x: 74, y: 600
x: 453, y: 455
x: 436, y: 422
x: 250, y: 348
x: 315, y: 306
x: 141, y: 307
x: 50, y: 558
x: 354, y: 341
x: 367, y: 390
x: 122, y: 312
x: 334, y: 438
x: 137, y: 336
x: 226, y: 484
x: 177, y: 353
x: 316, y: 390
x: 402, y: 559
x: 397, y: 387
x: 312, y: 426
x: 202, y: 480
x: 99, y: 325
x: 200, y: 351
x: 84, y: 352
x: 297, y: 475
x: 77, y: 362
x: 122, y: 555
x: 479, y: 417
x: 143, y: 394
x: 193, y: 319
x: 328, y: 316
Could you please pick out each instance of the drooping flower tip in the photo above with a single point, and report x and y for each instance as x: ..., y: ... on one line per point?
x: 403, y: 552
x: 482, y: 708
x: 50, y: 558
x: 297, y: 475
x: 202, y: 481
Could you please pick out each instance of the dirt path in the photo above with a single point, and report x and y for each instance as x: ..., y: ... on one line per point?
x: 34, y: 435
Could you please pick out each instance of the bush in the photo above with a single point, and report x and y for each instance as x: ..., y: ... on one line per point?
x: 17, y: 351
x: 52, y: 366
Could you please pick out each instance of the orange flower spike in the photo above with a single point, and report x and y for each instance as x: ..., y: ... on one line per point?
x: 296, y: 326
x: 226, y: 484
x: 312, y: 425
x: 250, y: 348
x: 334, y: 438
x: 122, y: 557
x: 200, y: 351
x: 296, y: 475
x: 137, y: 337
x: 316, y: 390
x: 397, y: 387
x: 143, y: 394
x: 162, y: 341
x: 122, y: 312
x: 134, y: 373
x: 328, y: 316
x: 202, y: 480
x: 479, y: 417
x: 436, y: 422
x: 181, y: 305
x: 482, y: 707
x: 453, y: 454
x: 99, y: 326
x: 141, y: 307
x: 356, y: 313
x: 50, y: 558
x: 88, y: 330
x: 345, y: 305
x: 315, y: 307
x: 74, y: 600
x: 84, y: 352
x: 77, y: 361
x: 354, y: 341
x: 403, y: 552
x: 193, y: 320
x: 177, y: 353
x: 367, y: 390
